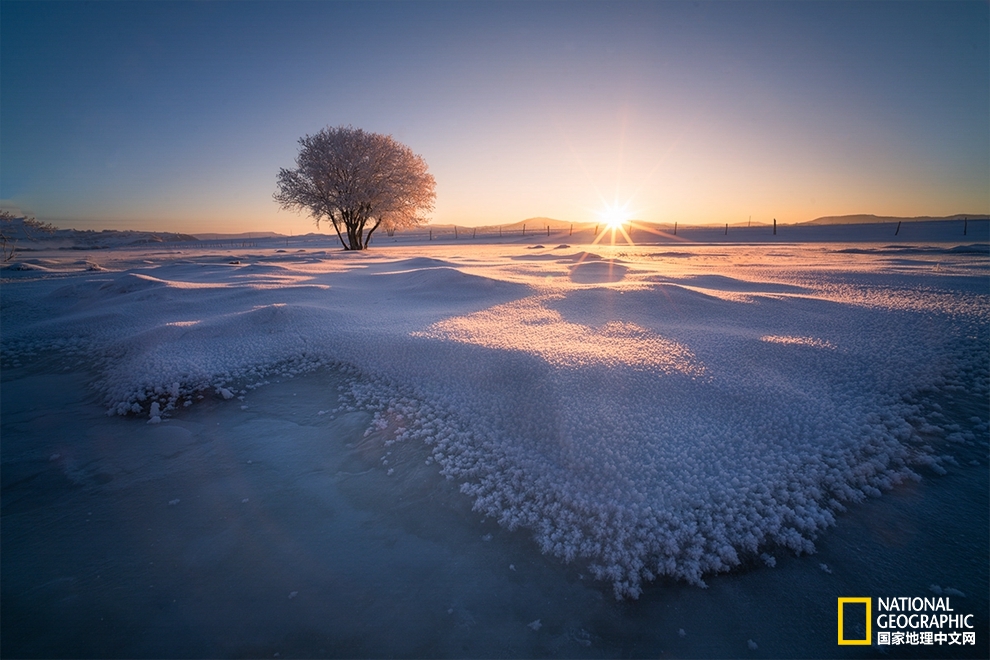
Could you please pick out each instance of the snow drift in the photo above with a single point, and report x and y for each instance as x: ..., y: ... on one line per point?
x: 650, y: 415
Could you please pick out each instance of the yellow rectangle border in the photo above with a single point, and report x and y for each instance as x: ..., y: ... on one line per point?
x: 869, y: 620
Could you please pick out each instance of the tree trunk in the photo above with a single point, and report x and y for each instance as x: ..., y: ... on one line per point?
x: 354, y: 238
x: 353, y: 231
x: 367, y: 237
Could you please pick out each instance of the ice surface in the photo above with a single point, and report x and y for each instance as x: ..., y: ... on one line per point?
x: 646, y: 414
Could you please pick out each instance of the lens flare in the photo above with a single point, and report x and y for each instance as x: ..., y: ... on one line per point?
x: 616, y: 219
x: 614, y: 215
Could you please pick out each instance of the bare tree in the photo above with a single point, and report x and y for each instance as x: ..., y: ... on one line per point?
x: 358, y: 181
x: 7, y: 243
x: 8, y: 240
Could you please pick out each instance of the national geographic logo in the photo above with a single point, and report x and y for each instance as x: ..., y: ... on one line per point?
x: 903, y: 620
x: 849, y: 625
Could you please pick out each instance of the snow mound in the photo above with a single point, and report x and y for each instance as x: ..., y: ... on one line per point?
x: 538, y: 257
x: 24, y: 266
x: 576, y: 257
x: 598, y: 272
x: 724, y: 283
x: 579, y: 257
x: 131, y: 283
x: 416, y: 263
x: 439, y: 283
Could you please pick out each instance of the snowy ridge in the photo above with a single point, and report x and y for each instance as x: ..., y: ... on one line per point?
x: 649, y: 416
x: 29, y: 235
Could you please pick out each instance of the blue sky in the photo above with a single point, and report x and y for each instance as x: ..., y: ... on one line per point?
x: 178, y: 116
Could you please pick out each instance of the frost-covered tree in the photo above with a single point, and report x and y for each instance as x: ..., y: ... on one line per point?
x: 6, y: 242
x: 357, y: 181
x: 12, y: 227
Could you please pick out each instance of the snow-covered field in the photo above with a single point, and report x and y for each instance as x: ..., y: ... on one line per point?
x: 487, y: 449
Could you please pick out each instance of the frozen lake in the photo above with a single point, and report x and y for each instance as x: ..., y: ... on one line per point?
x: 677, y: 450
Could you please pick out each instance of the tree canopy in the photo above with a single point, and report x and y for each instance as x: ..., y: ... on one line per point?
x: 358, y: 181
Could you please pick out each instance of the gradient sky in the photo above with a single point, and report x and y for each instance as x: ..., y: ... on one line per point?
x: 178, y: 116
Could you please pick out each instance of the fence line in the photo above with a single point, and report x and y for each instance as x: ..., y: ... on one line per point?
x: 644, y: 233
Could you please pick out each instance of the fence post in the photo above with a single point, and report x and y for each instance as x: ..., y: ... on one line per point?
x: 524, y: 229
x: 896, y: 231
x: 727, y: 229
x: 455, y: 232
x: 675, y: 229
x: 775, y: 226
x: 571, y: 232
x: 965, y: 225
x: 431, y: 234
x: 548, y: 230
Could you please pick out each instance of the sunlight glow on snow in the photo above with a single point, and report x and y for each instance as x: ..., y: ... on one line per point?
x: 799, y: 341
x: 530, y: 326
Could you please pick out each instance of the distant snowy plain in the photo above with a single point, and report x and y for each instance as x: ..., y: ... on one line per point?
x: 643, y: 411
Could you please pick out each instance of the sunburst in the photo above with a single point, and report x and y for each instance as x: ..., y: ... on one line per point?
x: 615, y: 217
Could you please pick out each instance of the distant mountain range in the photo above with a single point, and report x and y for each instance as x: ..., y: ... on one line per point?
x: 864, y: 219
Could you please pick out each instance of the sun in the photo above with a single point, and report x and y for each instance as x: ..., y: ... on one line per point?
x: 614, y: 215
x: 618, y: 223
